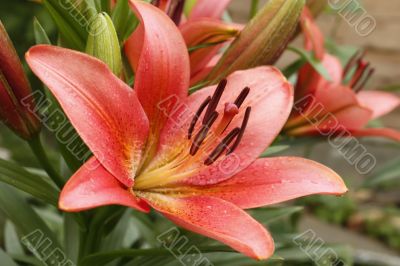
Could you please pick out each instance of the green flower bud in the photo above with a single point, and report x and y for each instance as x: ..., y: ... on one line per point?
x: 263, y: 40
x: 103, y: 43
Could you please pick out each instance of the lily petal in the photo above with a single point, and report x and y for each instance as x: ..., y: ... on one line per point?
x: 208, y: 9
x: 159, y: 56
x: 309, y: 80
x: 377, y: 132
x: 270, y: 98
x: 324, y: 100
x: 206, y: 31
x: 93, y: 186
x: 379, y: 102
x: 218, y: 219
x: 274, y: 180
x: 351, y: 118
x: 104, y: 110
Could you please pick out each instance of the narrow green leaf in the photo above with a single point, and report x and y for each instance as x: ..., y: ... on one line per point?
x: 33, y: 229
x: 106, y: 257
x: 392, y: 88
x: 313, y: 62
x: 189, y: 4
x: 387, y: 174
x: 39, y: 33
x: 271, y: 214
x: 70, y: 36
x: 293, y: 68
x: 125, y: 21
x: 273, y: 150
x: 6, y: 260
x: 37, y: 186
x: 71, y: 237
x: 203, y: 45
x: 12, y: 242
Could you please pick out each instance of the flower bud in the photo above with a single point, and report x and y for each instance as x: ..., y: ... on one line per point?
x: 263, y: 40
x: 103, y: 43
x: 16, y: 102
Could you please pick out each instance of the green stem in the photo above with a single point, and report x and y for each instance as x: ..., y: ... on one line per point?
x: 253, y: 8
x: 37, y: 148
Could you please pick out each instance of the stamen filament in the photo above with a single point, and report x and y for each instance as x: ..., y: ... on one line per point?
x: 242, y: 129
x: 202, y: 134
x: 197, y: 116
x: 216, y: 153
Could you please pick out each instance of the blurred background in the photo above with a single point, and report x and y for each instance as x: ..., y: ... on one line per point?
x: 368, y: 217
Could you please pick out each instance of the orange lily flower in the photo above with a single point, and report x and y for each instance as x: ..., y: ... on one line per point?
x: 335, y: 107
x: 192, y: 158
x: 203, y: 31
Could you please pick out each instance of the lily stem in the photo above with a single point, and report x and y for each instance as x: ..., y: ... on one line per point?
x: 37, y: 148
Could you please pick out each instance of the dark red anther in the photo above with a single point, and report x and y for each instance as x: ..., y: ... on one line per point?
x: 242, y: 96
x: 216, y: 153
x: 242, y: 129
x: 360, y: 84
x: 202, y: 134
x: 197, y: 116
x: 215, y: 100
x: 353, y: 60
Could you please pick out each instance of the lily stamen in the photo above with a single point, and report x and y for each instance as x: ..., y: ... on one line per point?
x: 216, y: 153
x: 202, y: 134
x: 365, y: 78
x: 242, y: 96
x: 215, y: 100
x: 197, y: 116
x: 242, y: 129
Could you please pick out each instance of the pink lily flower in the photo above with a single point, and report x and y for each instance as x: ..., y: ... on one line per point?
x: 202, y: 29
x: 334, y: 107
x: 192, y: 158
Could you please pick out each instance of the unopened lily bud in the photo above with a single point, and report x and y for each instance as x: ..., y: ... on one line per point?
x: 103, y: 43
x: 16, y: 103
x: 263, y: 40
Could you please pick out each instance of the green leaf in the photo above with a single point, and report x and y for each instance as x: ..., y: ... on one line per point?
x: 71, y: 237
x: 6, y: 260
x: 33, y: 229
x: 387, y: 174
x: 40, y: 34
x: 203, y: 45
x: 273, y: 150
x: 317, y: 65
x: 293, y: 68
x: 106, y: 257
x: 125, y: 21
x: 189, y: 4
x: 72, y: 20
x: 12, y: 242
x: 271, y: 214
x: 37, y: 186
x: 392, y: 88
x: 316, y: 254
